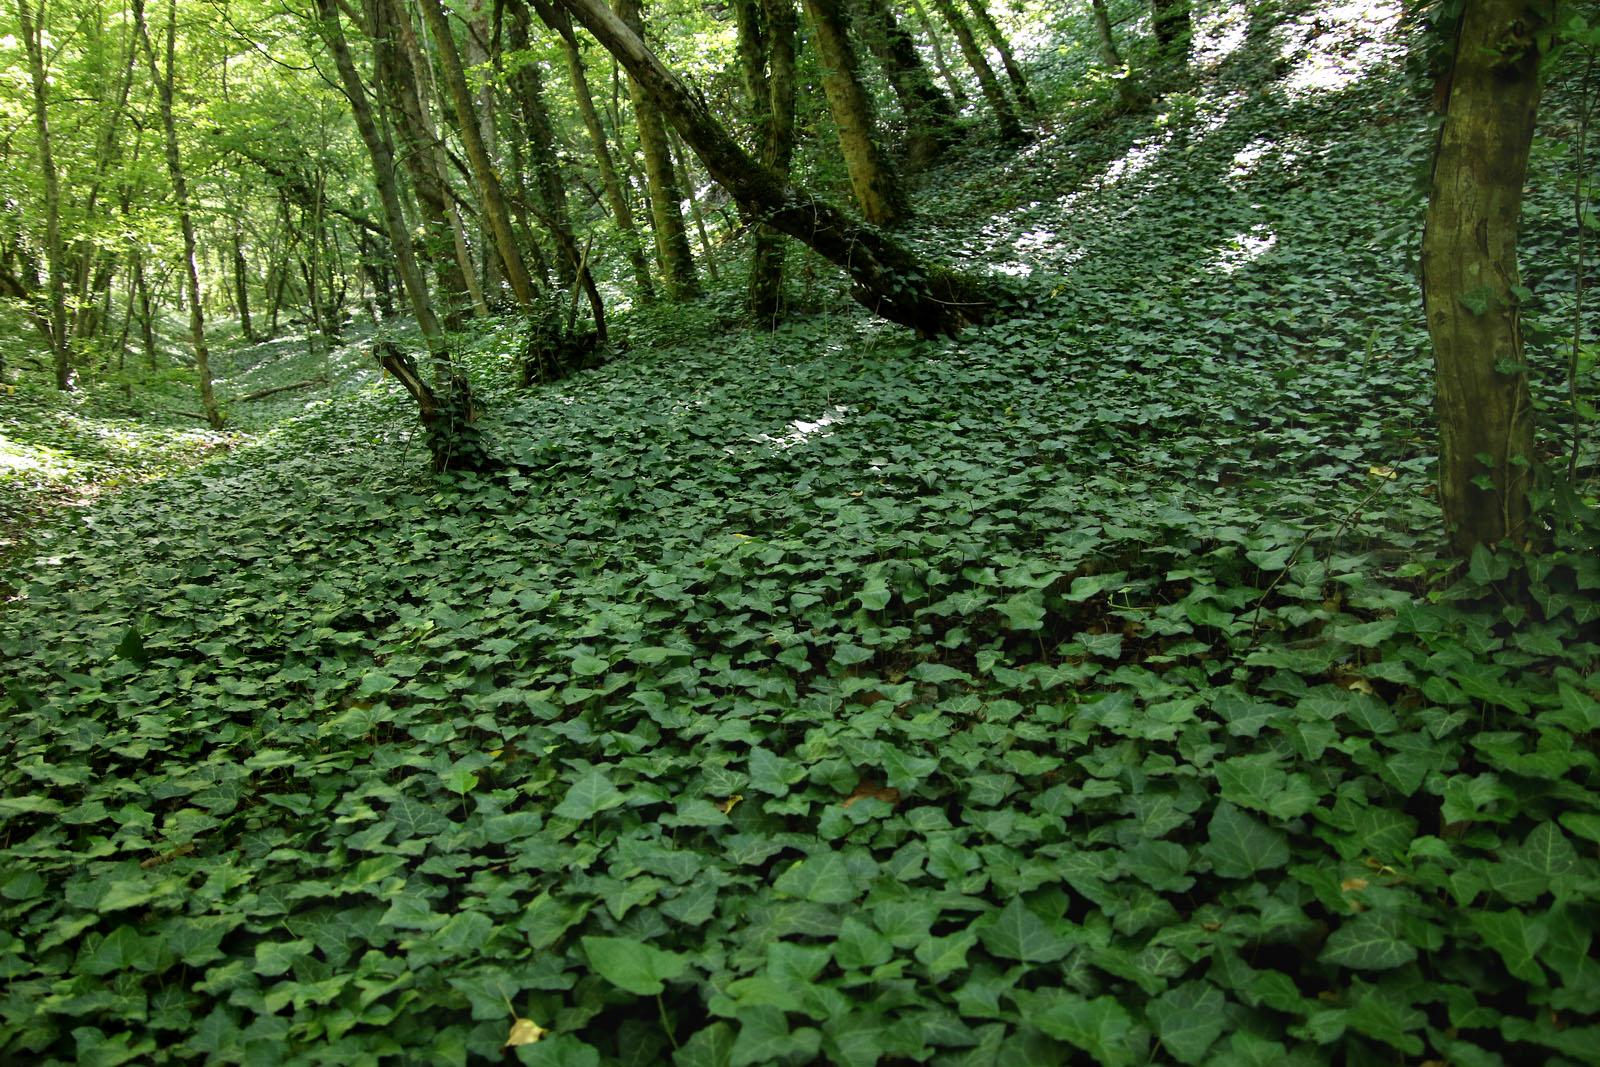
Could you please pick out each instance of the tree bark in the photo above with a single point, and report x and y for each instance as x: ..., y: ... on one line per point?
x: 448, y: 412
x: 873, y: 180
x: 1174, y: 32
x: 180, y: 196
x: 1008, y: 59
x: 940, y: 63
x: 672, y: 243
x: 1129, y: 92
x: 1005, y: 117
x: 55, y: 283
x: 890, y: 281
x: 1469, y: 273
x: 493, y: 197
x: 766, y: 52
x: 930, y: 118
x: 616, y: 199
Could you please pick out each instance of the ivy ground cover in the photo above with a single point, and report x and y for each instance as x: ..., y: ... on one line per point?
x: 1083, y: 690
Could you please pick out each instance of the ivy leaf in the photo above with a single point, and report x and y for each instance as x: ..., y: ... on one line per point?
x: 1016, y: 933
x: 1101, y: 1027
x: 821, y: 878
x: 1371, y: 941
x: 1188, y: 1019
x: 589, y: 795
x: 633, y: 965
x: 1025, y: 610
x: 710, y: 1046
x: 1239, y: 845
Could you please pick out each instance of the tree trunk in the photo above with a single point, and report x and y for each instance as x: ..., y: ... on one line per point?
x: 672, y: 243
x: 1174, y: 31
x: 890, y: 281
x: 877, y: 189
x: 557, y: 20
x: 1019, y: 83
x: 449, y: 411
x: 56, y: 282
x: 539, y: 136
x: 1469, y: 272
x: 686, y: 182
x: 494, y: 202
x: 241, y: 288
x: 930, y: 118
x: 1129, y: 92
x: 766, y: 51
x: 180, y: 196
x: 940, y: 63
x: 1011, y: 131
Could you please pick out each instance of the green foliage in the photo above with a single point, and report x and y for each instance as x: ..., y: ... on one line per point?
x: 1083, y: 689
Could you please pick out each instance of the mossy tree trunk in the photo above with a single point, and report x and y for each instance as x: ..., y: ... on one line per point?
x: 872, y: 177
x: 766, y: 52
x: 930, y: 118
x: 1469, y: 273
x: 55, y: 281
x: 1008, y: 58
x: 889, y: 280
x: 1173, y: 27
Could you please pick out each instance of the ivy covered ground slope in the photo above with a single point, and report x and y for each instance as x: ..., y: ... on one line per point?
x: 1081, y: 690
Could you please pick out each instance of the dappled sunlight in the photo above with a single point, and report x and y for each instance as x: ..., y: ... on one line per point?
x: 1243, y: 248
x: 802, y: 429
x: 1219, y: 33
x: 1341, y: 43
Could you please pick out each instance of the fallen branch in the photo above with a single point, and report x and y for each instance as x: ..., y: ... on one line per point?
x: 260, y: 394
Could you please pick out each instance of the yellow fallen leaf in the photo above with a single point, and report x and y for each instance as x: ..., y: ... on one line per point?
x: 524, y: 1032
x: 1354, y: 885
x: 1381, y: 472
x: 1360, y: 685
x: 728, y: 805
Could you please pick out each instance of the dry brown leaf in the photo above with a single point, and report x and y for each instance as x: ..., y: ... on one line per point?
x: 524, y: 1032
x: 166, y: 857
x: 1354, y: 885
x: 866, y: 787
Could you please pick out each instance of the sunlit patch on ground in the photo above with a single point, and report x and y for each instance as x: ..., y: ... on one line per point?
x: 1219, y: 33
x: 801, y: 429
x: 1341, y: 43
x: 1244, y: 248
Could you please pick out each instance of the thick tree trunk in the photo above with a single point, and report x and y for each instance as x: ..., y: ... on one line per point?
x: 672, y: 243
x: 180, y: 196
x: 616, y: 199
x: 873, y: 180
x: 890, y: 281
x: 1469, y: 271
x: 539, y: 136
x: 930, y: 118
x: 1005, y: 117
x: 493, y: 197
x: 766, y: 52
x: 448, y: 412
x: 56, y: 283
x: 1008, y: 59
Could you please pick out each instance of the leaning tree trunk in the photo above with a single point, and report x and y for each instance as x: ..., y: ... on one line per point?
x: 890, y: 281
x: 1129, y: 92
x: 1005, y: 117
x: 940, y: 63
x: 872, y: 178
x: 672, y: 242
x: 180, y: 197
x: 56, y: 281
x: 1469, y: 273
x: 449, y: 411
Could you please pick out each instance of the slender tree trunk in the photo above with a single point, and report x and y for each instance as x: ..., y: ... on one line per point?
x: 686, y: 182
x: 940, y: 63
x: 147, y: 329
x: 873, y: 180
x: 1019, y: 83
x: 180, y: 196
x: 930, y: 118
x: 447, y: 409
x: 616, y: 199
x: 766, y: 50
x: 1129, y: 92
x: 890, y: 280
x: 241, y: 288
x: 494, y: 203
x: 539, y: 136
x: 1011, y: 131
x: 672, y: 243
x: 1469, y: 273
x: 56, y: 283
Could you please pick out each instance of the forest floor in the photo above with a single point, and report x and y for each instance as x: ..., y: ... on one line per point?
x: 1091, y: 685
